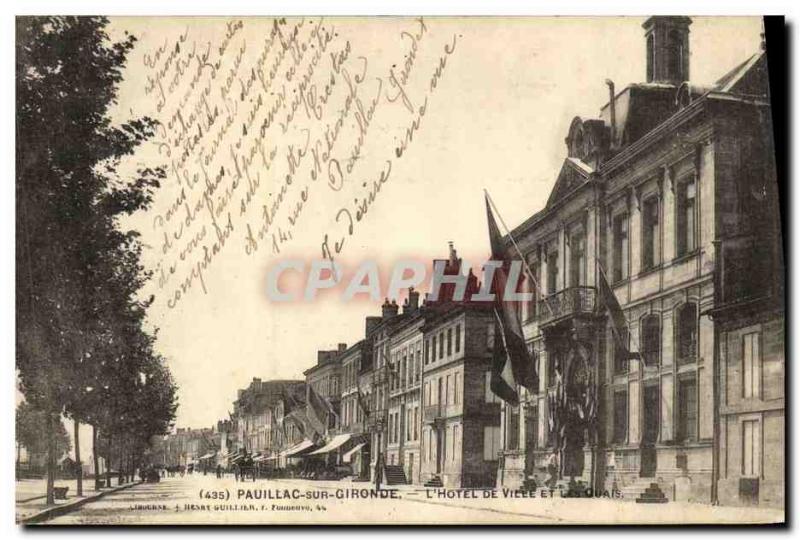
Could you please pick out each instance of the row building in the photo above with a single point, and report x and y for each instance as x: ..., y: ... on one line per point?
x: 670, y: 198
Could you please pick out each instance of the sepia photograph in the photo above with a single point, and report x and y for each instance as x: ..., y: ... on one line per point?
x: 433, y: 270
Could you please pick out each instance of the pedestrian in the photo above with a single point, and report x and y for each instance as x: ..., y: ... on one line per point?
x: 219, y: 470
x: 552, y: 470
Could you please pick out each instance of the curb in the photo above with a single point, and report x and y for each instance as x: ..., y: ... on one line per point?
x: 31, y: 499
x: 55, y: 511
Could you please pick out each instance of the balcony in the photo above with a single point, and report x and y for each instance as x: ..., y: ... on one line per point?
x: 381, y: 375
x: 431, y: 413
x: 567, y: 303
x: 376, y: 420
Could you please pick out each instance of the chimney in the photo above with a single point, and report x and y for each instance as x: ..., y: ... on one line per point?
x: 325, y: 356
x: 453, y: 254
x: 342, y: 347
x: 412, y: 302
x: 667, y: 49
x: 388, y: 310
x: 371, y: 323
x: 612, y: 108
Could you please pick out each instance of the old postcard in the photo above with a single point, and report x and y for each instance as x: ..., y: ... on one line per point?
x: 398, y: 270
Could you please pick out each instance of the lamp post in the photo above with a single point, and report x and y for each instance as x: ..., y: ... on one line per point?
x: 379, y: 458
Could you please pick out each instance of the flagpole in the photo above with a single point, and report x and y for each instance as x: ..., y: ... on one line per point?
x: 627, y: 324
x: 519, y: 251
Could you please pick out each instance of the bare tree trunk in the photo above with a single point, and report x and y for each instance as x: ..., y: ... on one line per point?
x: 96, y: 459
x: 108, y: 461
x: 78, y: 466
x: 122, y: 465
x: 134, y: 465
x: 51, y: 457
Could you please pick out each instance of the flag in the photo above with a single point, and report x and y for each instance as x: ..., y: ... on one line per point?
x: 389, y: 366
x: 557, y: 412
x: 299, y: 421
x: 362, y: 400
x: 512, y: 364
x: 619, y: 325
x: 558, y: 406
x: 318, y: 411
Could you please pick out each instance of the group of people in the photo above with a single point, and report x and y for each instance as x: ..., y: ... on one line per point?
x: 244, y: 467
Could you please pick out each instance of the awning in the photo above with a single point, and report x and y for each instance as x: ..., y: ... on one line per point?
x: 297, y: 449
x: 349, y: 454
x: 209, y: 455
x: 333, y: 444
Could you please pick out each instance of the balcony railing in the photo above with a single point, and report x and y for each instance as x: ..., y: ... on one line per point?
x: 376, y: 419
x: 431, y: 412
x: 382, y: 375
x: 567, y: 302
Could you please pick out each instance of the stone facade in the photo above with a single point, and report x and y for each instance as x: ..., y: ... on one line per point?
x: 461, y: 416
x: 646, y: 196
x: 262, y: 421
x: 404, y: 412
x: 325, y: 379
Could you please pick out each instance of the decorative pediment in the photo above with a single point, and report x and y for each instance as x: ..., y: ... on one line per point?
x: 574, y: 172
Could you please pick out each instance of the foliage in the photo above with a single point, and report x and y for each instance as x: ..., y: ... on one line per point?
x: 31, y: 429
x: 82, y: 345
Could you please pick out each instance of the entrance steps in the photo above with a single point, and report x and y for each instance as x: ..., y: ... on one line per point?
x: 394, y: 475
x: 644, y: 490
x: 434, y: 482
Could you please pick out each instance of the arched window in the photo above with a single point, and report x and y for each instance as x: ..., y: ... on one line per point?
x: 620, y: 349
x: 686, y: 328
x: 651, y: 339
x: 650, y: 58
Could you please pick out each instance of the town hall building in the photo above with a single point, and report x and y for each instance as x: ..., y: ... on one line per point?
x: 671, y: 196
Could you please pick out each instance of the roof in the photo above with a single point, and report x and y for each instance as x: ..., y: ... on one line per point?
x: 728, y: 81
x: 644, y: 114
x: 573, y: 174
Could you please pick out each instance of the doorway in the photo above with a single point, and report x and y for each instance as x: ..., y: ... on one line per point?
x: 649, y: 462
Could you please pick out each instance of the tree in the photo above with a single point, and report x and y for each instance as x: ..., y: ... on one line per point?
x: 31, y: 425
x: 78, y: 274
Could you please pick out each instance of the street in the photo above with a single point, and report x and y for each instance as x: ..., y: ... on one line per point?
x: 199, y: 499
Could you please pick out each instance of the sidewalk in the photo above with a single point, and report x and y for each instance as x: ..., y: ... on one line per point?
x: 582, y: 510
x: 31, y: 496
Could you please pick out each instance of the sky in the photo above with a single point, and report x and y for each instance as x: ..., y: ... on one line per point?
x: 496, y: 120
